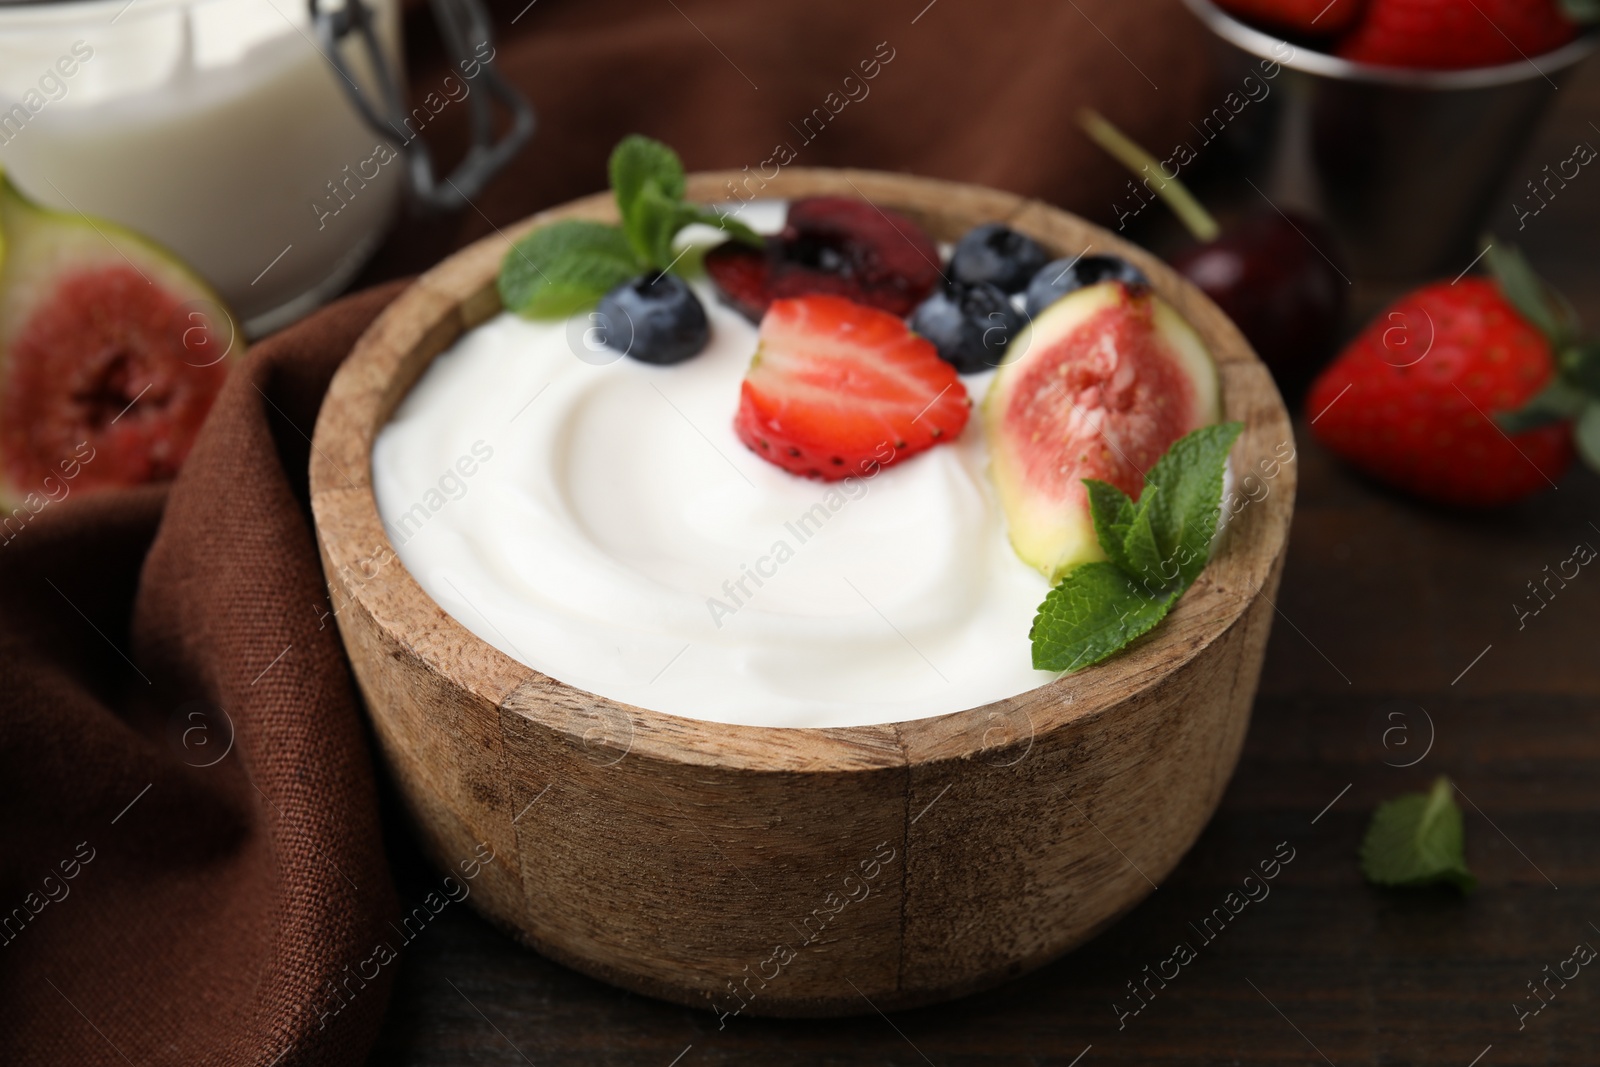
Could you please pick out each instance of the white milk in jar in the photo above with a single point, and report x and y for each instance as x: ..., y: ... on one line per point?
x: 216, y: 127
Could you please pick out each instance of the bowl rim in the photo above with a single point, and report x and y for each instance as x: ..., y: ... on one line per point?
x: 1265, y: 45
x: 459, y: 293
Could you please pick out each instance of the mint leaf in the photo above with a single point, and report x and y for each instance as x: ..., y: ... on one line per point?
x: 1095, y: 611
x: 1139, y: 546
x: 1125, y: 534
x: 638, y: 160
x: 1184, y: 513
x: 657, y: 220
x: 1112, y: 512
x: 1529, y: 295
x: 648, y: 181
x: 654, y: 223
x: 560, y: 269
x: 1155, y: 549
x: 1417, y: 840
x: 736, y: 230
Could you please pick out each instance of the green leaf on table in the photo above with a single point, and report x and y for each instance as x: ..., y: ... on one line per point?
x: 1095, y: 611
x: 1417, y: 840
x: 1184, y: 513
x: 563, y: 268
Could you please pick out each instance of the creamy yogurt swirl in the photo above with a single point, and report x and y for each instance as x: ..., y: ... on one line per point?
x: 597, y: 519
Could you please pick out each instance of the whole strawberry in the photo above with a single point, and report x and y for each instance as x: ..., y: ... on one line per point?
x: 1456, y: 34
x: 1297, y: 16
x: 1411, y: 400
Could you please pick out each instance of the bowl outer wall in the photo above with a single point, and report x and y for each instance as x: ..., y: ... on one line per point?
x: 726, y: 866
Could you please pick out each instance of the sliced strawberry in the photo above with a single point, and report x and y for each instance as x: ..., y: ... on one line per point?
x: 838, y: 389
x: 831, y: 244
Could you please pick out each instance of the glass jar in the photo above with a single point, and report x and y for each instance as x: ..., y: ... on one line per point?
x: 217, y: 127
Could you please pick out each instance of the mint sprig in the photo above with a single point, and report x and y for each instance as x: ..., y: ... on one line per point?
x: 561, y: 269
x: 1574, y: 393
x: 1417, y: 840
x: 1154, y: 548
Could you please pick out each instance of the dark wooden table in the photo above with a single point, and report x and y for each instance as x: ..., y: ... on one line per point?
x: 1393, y: 617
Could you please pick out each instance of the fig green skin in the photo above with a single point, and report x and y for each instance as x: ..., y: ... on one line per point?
x: 1049, y: 532
x: 41, y: 250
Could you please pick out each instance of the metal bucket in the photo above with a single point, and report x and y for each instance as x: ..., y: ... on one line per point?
x: 1404, y: 165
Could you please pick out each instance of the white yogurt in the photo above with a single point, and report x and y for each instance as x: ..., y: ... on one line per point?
x: 603, y: 525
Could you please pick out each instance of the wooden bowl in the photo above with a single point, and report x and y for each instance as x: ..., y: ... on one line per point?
x: 800, y: 871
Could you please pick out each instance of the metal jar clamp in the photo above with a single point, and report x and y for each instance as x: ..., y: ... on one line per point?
x: 464, y: 25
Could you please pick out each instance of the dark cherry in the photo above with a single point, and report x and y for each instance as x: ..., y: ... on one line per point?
x: 1273, y: 277
x: 1274, y: 274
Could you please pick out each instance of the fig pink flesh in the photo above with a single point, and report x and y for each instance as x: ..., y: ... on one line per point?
x: 1104, y: 401
x: 105, y: 361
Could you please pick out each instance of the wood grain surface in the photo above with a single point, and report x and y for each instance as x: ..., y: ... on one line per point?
x: 1387, y: 608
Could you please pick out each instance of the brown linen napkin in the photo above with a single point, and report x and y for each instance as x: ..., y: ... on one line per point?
x: 191, y: 867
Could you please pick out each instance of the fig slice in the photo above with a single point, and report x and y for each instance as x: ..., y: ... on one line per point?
x: 111, y: 353
x: 1098, y: 386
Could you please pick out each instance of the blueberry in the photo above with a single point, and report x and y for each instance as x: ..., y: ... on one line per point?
x: 1062, y: 276
x: 655, y: 318
x: 998, y: 255
x: 970, y: 325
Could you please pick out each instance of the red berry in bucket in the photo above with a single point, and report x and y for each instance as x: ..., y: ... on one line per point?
x: 1308, y: 17
x: 1456, y: 34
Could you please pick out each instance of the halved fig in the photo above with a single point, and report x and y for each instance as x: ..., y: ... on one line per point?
x: 111, y: 352
x: 1098, y: 386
